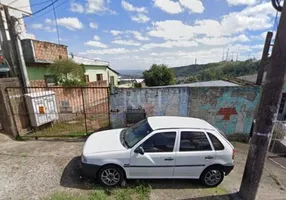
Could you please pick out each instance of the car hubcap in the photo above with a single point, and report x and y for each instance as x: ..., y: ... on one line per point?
x: 110, y: 177
x: 213, y: 177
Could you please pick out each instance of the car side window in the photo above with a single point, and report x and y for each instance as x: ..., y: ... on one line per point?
x: 194, y: 141
x: 218, y: 146
x: 160, y: 142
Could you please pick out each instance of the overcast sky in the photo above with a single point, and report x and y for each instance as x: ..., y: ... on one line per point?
x: 133, y: 34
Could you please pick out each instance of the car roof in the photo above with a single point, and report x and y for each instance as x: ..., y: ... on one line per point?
x: 167, y: 122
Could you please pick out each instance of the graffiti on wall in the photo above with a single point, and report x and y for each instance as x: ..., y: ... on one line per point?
x: 227, y: 112
x: 155, y: 102
x: 230, y: 109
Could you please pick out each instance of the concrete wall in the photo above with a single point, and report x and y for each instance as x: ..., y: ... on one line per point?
x: 160, y: 102
x: 231, y: 109
x: 6, y: 116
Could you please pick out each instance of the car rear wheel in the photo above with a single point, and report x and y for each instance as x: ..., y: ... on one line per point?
x: 110, y: 176
x: 212, y: 177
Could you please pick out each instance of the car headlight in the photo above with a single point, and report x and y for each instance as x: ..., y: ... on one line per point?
x: 83, y: 158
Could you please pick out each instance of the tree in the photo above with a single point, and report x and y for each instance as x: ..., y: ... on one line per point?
x: 68, y: 72
x: 159, y: 75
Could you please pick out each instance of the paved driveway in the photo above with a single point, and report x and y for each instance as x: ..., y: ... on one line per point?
x: 36, y: 169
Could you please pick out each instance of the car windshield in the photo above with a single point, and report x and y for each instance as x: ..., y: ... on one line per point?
x: 137, y: 132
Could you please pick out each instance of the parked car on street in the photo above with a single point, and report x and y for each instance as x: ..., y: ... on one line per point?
x: 159, y: 148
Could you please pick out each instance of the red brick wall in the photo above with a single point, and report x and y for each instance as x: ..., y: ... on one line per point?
x: 41, y: 83
x: 93, y: 97
x: 97, y: 84
x: 37, y: 83
x: 49, y: 51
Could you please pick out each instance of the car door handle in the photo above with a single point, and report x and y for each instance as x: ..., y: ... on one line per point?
x: 169, y: 159
x: 209, y: 157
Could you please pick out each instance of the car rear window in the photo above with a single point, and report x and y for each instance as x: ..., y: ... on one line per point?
x: 194, y: 141
x: 218, y: 146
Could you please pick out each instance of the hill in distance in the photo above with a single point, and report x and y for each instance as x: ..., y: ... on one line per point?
x: 215, y: 71
x: 131, y: 73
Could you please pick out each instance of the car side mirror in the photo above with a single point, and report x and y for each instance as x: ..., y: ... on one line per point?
x: 139, y: 150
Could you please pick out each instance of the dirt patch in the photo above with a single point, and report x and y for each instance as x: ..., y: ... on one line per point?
x: 33, y: 169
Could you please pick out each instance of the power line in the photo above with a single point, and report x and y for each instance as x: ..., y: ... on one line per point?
x: 58, y: 35
x: 12, y: 2
x: 42, y: 9
x: 36, y: 4
x: 276, y: 5
x: 33, y: 19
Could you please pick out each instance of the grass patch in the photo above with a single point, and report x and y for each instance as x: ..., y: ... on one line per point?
x: 212, y: 191
x: 140, y: 191
x: 61, y: 128
x: 72, y: 128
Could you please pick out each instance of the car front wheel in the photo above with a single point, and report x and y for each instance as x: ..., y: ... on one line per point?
x: 212, y: 177
x: 110, y: 176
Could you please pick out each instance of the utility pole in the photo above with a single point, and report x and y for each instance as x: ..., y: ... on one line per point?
x: 264, y: 58
x: 17, y: 47
x: 266, y: 114
x: 7, y: 46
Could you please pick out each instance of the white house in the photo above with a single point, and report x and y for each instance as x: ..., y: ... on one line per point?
x: 97, y: 70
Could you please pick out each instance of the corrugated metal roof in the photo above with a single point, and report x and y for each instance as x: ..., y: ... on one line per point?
x: 218, y: 83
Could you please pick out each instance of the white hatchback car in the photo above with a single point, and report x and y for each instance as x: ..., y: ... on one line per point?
x: 159, y: 148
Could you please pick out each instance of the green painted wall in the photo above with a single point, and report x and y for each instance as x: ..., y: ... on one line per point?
x: 92, y: 70
x: 37, y: 73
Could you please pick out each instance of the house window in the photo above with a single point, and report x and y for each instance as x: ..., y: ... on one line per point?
x: 112, y: 80
x: 50, y: 80
x: 99, y: 77
x: 86, y: 78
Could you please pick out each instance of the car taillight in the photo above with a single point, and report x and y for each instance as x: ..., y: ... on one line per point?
x: 83, y: 158
x: 233, y: 154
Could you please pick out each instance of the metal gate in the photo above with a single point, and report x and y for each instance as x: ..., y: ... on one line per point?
x: 59, y: 111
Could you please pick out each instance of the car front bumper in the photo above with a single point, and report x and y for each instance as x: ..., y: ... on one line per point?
x: 88, y: 170
x: 228, y: 169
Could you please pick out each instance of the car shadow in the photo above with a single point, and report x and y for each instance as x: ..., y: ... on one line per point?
x: 72, y: 178
x: 173, y: 183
